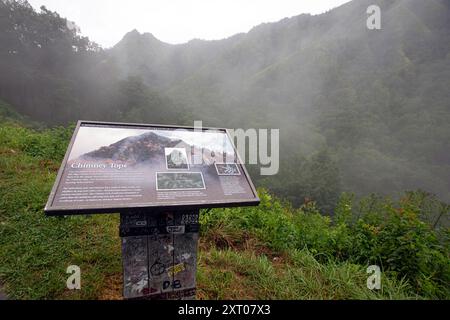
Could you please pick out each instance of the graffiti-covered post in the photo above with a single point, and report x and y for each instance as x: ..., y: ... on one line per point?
x: 159, y: 255
x: 157, y: 178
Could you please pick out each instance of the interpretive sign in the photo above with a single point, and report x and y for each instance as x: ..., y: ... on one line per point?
x: 111, y: 167
x: 158, y: 178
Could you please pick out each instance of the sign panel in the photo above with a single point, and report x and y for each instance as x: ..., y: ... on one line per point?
x: 113, y: 167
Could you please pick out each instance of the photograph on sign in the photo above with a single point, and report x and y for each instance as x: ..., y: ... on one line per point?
x: 180, y: 181
x: 176, y: 159
x: 117, y: 165
x: 227, y: 169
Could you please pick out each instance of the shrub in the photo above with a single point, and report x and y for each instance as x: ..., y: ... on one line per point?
x: 49, y: 144
x: 373, y: 230
x: 404, y: 245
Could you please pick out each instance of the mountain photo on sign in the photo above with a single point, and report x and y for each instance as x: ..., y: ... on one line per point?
x: 137, y: 145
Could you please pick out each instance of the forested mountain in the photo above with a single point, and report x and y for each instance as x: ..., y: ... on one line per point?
x: 51, y: 73
x: 359, y: 110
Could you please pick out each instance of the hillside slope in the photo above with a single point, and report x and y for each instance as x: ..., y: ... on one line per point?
x: 270, y: 252
x: 8, y: 114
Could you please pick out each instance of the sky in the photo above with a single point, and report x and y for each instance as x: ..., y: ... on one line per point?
x: 177, y: 21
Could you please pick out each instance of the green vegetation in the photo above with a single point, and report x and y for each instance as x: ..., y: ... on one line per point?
x: 229, y: 274
x: 7, y: 113
x: 34, y: 250
x: 271, y: 252
x: 374, y: 231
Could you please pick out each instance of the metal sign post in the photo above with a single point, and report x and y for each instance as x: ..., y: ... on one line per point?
x: 159, y: 255
x: 158, y: 178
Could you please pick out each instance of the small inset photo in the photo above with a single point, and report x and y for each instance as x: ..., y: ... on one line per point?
x: 176, y: 159
x: 227, y: 169
x: 172, y: 181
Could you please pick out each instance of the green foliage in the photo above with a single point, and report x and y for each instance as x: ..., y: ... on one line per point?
x: 35, y: 250
x: 49, y: 144
x: 230, y: 275
x: 7, y: 113
x: 405, y: 245
x: 387, y: 234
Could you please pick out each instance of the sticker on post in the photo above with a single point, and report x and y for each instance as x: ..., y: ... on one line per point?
x: 174, y: 270
x: 176, y: 229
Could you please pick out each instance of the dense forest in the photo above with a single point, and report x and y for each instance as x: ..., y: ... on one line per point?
x: 359, y: 110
